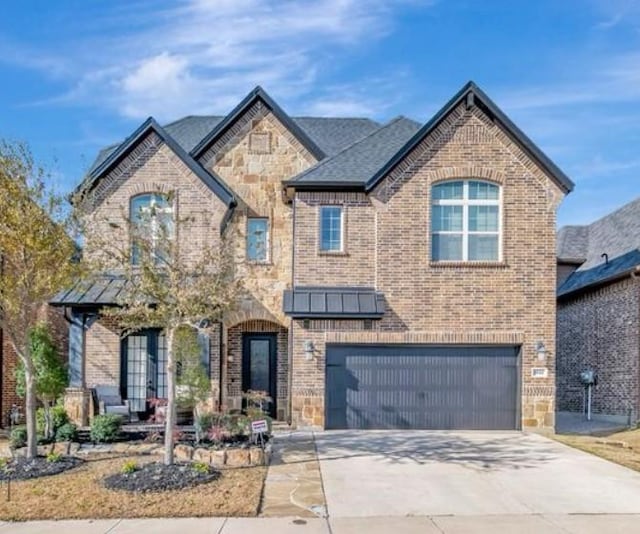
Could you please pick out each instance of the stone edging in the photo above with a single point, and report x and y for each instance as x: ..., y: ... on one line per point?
x: 227, y: 457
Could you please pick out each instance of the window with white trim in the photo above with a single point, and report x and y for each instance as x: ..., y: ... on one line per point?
x: 151, y: 225
x: 465, y: 221
x: 331, y: 228
x: 258, y: 239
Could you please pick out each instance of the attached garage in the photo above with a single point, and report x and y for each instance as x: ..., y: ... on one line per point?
x: 422, y: 387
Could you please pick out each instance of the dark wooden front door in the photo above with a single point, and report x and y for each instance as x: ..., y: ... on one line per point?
x: 259, y: 365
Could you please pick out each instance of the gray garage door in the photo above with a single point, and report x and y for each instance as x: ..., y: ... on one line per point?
x: 422, y: 386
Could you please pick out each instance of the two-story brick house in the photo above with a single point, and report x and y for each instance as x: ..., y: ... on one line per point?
x: 396, y: 276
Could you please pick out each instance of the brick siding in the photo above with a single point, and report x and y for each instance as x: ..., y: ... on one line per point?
x: 599, y: 330
x: 388, y: 246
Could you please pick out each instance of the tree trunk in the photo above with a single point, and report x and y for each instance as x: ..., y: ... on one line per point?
x: 48, y: 423
x: 30, y: 410
x: 170, y: 421
x: 196, y: 424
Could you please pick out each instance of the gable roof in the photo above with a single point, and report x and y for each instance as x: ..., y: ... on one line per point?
x: 617, y: 235
x: 110, y: 160
x: 258, y: 94
x: 356, y: 163
x: 473, y: 95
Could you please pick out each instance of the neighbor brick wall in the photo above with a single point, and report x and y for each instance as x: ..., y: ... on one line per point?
x: 54, y: 317
x: 599, y: 330
x: 388, y: 246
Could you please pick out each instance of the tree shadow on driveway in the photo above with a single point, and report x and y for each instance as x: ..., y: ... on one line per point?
x: 480, y: 450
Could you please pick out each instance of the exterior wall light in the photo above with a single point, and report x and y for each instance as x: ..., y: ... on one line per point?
x: 541, y: 350
x: 309, y: 350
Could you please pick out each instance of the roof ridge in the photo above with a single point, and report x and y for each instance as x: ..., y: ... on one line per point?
x: 348, y: 147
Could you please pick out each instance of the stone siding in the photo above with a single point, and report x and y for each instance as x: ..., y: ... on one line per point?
x: 388, y: 246
x: 599, y: 330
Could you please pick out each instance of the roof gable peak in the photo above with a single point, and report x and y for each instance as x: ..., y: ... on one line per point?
x: 258, y: 93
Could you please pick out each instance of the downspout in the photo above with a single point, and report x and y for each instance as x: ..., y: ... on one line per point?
x: 221, y: 358
x: 290, y: 337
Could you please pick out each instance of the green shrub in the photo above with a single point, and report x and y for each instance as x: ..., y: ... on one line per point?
x: 18, y: 437
x: 105, y: 428
x: 201, y: 467
x: 54, y: 457
x: 130, y: 466
x: 67, y: 432
x: 4, y: 462
x: 59, y: 418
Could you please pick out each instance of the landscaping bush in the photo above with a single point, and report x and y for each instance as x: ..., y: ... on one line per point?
x: 105, y: 428
x: 59, y: 418
x: 67, y: 432
x: 130, y: 466
x: 54, y: 457
x: 18, y: 437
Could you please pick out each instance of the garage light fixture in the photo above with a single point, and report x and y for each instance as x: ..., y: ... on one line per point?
x: 541, y: 350
x: 309, y: 350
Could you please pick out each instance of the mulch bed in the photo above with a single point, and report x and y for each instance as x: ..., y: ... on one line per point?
x: 20, y: 468
x: 156, y: 476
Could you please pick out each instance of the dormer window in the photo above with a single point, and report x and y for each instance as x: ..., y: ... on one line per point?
x: 465, y: 221
x: 151, y: 225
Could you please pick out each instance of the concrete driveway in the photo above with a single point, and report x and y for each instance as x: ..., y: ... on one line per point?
x: 430, y: 473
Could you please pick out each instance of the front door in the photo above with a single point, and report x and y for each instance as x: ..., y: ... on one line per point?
x: 259, y: 365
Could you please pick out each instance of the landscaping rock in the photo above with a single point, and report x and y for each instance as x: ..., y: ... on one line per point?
x: 257, y: 456
x: 183, y: 452
x: 237, y: 457
x: 21, y: 468
x: 62, y: 447
x: 202, y: 455
x: 218, y: 458
x: 159, y: 477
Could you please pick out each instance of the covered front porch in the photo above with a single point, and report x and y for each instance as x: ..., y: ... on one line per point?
x: 247, y: 354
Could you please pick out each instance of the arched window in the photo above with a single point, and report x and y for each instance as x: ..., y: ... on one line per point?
x: 151, y: 225
x: 465, y: 221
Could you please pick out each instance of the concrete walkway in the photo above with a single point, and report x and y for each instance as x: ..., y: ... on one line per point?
x: 522, y: 524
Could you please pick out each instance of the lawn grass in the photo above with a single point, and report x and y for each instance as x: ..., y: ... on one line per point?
x: 79, y: 494
x: 629, y: 455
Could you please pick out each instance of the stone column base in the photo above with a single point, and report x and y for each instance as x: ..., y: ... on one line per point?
x: 77, y: 403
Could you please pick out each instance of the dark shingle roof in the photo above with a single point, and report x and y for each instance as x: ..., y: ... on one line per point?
x: 334, y: 134
x: 617, y: 235
x: 604, y: 272
x: 331, y: 134
x: 572, y: 243
x: 334, y: 302
x: 361, y: 160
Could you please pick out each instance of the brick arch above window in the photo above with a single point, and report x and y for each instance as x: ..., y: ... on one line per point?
x: 468, y: 173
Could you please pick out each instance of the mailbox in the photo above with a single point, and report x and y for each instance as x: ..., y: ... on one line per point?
x: 589, y: 377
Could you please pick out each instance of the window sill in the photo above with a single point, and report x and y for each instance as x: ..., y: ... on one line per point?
x: 259, y: 263
x: 332, y: 253
x: 468, y: 264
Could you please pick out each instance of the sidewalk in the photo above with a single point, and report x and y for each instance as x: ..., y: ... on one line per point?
x: 520, y: 524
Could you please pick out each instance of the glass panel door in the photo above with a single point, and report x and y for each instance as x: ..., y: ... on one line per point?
x: 259, y: 365
x: 137, y: 363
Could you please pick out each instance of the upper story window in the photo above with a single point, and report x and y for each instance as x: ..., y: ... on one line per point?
x: 331, y: 228
x: 465, y: 221
x: 152, y: 226
x: 258, y: 239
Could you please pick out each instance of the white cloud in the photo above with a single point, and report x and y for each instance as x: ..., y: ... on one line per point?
x: 202, y: 56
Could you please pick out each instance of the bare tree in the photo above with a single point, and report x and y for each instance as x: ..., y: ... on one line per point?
x: 37, y: 259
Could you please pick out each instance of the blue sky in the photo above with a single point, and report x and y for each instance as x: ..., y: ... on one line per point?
x: 77, y: 75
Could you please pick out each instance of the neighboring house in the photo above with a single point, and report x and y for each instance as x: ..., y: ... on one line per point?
x: 599, y: 314
x: 9, y: 397
x: 396, y: 275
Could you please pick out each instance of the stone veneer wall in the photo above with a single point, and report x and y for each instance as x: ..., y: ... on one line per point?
x: 388, y: 246
x: 599, y: 330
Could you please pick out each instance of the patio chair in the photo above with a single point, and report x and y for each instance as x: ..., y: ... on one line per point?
x: 109, y: 401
